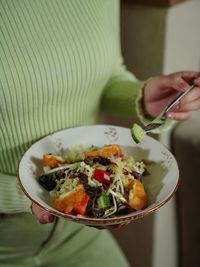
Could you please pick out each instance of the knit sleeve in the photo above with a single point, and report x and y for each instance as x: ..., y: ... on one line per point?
x: 121, y: 93
x: 123, y: 97
x: 12, y: 199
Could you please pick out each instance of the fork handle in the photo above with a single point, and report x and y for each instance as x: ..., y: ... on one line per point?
x: 177, y: 99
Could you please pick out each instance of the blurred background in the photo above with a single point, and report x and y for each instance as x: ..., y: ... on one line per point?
x: 160, y: 37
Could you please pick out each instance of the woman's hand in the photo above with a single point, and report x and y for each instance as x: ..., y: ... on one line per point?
x: 42, y: 215
x: 161, y: 90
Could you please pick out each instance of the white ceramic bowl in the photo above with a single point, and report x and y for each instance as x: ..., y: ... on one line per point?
x: 161, y: 183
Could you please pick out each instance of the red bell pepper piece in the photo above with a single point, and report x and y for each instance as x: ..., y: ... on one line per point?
x: 80, y: 208
x: 102, y: 176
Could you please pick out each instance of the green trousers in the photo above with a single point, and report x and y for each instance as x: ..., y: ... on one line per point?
x: 26, y: 243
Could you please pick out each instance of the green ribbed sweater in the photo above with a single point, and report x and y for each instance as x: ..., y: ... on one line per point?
x: 60, y: 64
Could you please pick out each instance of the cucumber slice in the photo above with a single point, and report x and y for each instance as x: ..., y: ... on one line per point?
x: 103, y: 201
x: 137, y: 133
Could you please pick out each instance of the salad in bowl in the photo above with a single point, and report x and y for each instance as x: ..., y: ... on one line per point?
x: 99, y: 182
x: 97, y: 175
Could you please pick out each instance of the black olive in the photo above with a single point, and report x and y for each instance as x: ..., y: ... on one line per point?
x: 102, y: 161
x: 48, y: 182
x: 124, y: 209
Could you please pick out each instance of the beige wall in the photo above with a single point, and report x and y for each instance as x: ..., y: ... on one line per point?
x: 182, y: 45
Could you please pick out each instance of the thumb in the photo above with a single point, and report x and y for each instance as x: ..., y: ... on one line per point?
x: 179, y: 84
x: 42, y: 215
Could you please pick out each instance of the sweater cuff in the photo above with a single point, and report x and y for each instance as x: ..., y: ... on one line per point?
x: 12, y: 199
x: 146, y: 119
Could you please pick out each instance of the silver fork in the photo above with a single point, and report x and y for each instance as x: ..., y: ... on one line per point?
x: 158, y: 121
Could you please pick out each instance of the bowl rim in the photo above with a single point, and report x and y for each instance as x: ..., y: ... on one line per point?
x: 99, y: 221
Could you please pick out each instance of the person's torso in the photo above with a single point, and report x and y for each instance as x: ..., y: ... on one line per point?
x: 55, y: 59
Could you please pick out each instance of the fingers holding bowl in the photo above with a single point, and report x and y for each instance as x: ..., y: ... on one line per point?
x: 42, y: 215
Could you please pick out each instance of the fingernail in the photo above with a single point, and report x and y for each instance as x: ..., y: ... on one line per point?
x: 46, y: 218
x: 170, y: 116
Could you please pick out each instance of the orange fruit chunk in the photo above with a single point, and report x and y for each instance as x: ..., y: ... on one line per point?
x: 52, y: 161
x: 106, y: 152
x: 137, y: 196
x: 67, y: 202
